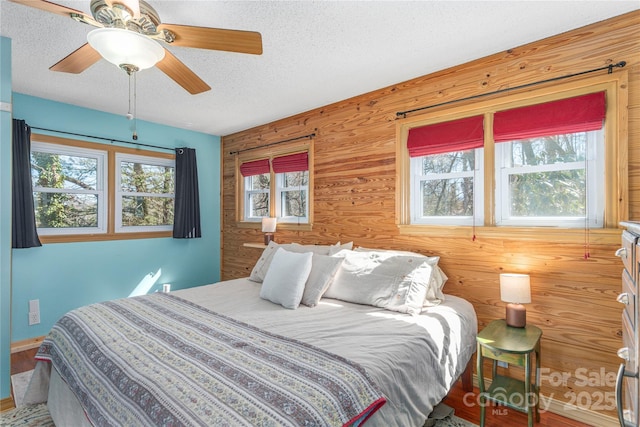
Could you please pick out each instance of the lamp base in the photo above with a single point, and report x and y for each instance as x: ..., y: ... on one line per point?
x: 516, y: 315
x: 268, y: 237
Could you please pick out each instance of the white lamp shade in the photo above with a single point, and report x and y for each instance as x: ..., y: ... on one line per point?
x: 120, y: 46
x: 268, y: 225
x: 515, y: 288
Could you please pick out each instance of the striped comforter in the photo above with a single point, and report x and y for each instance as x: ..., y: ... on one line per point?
x: 161, y: 360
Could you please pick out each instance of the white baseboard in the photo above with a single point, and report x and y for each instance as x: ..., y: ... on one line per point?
x: 573, y: 412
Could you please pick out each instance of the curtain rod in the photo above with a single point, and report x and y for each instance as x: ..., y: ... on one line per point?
x: 311, y: 135
x: 608, y: 67
x: 104, y: 139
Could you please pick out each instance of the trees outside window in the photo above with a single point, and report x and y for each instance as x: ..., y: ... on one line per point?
x: 446, y: 187
x: 276, y: 184
x: 293, y: 196
x: 257, y: 195
x: 145, y: 193
x: 85, y: 191
x: 68, y: 189
x: 546, y: 166
x: 557, y: 179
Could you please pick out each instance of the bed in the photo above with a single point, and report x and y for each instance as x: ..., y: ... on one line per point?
x: 397, y: 365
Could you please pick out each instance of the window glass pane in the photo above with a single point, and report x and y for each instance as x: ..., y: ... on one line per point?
x: 447, y: 197
x: 295, y: 179
x: 145, y: 178
x: 258, y: 182
x: 545, y: 194
x: 544, y: 181
x: 64, y: 210
x: 548, y: 150
x: 259, y: 205
x: 294, y: 203
x: 444, y: 188
x: 457, y: 161
x: 146, y: 211
x: 63, y: 171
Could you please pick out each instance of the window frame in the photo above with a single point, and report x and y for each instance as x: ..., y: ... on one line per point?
x: 477, y: 216
x: 249, y: 193
x: 119, y: 194
x: 111, y: 150
x: 271, y: 152
x: 616, y: 209
x: 593, y: 167
x: 280, y: 189
x: 101, y: 186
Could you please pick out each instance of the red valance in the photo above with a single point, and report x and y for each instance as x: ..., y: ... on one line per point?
x: 456, y: 135
x: 256, y: 167
x: 579, y: 114
x: 291, y: 163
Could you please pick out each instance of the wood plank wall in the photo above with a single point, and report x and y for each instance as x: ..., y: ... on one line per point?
x: 354, y: 161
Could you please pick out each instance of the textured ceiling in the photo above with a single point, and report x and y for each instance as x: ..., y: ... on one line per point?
x: 315, y: 53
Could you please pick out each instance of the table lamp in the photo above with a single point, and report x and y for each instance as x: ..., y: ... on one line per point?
x: 515, y: 291
x: 268, y: 228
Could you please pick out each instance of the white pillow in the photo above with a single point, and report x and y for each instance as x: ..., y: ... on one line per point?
x: 323, y: 270
x: 262, y: 265
x: 334, y: 249
x: 388, y: 251
x: 316, y: 249
x: 284, y: 282
x: 383, y: 279
x: 434, y: 292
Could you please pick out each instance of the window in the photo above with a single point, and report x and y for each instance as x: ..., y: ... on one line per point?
x: 545, y: 159
x: 446, y: 174
x: 84, y: 191
x: 551, y: 180
x: 292, y: 192
x: 257, y: 196
x: 68, y: 189
x: 277, y: 186
x: 257, y: 185
x: 546, y: 166
x: 292, y: 187
x: 447, y: 188
x: 144, y: 193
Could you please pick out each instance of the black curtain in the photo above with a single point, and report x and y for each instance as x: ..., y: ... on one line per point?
x: 186, y: 220
x: 23, y: 227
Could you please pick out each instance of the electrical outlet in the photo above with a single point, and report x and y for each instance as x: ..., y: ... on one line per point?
x: 502, y: 364
x: 34, y: 312
x: 34, y: 318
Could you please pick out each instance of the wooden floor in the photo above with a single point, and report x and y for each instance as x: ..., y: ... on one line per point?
x: 465, y: 405
x: 23, y: 361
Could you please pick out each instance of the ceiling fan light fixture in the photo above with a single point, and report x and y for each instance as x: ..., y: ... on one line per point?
x: 125, y: 47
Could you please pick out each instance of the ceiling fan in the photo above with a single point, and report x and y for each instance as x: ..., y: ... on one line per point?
x: 128, y: 35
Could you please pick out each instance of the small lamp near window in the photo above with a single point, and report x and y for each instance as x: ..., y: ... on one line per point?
x: 268, y: 228
x: 515, y: 290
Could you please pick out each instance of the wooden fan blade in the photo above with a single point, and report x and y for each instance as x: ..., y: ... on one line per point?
x: 77, y: 61
x: 182, y: 74
x: 215, y: 38
x: 59, y: 10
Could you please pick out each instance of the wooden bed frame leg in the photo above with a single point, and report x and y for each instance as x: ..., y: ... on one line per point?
x: 467, y: 377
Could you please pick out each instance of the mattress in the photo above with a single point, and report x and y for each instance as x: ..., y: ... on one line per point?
x: 413, y: 360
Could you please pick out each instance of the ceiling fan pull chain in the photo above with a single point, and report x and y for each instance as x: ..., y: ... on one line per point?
x: 135, y: 113
x: 129, y: 114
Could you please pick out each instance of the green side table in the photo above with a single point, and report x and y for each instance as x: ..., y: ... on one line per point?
x: 500, y: 342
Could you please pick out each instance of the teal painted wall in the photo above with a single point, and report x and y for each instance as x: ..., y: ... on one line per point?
x: 5, y: 219
x: 64, y: 276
